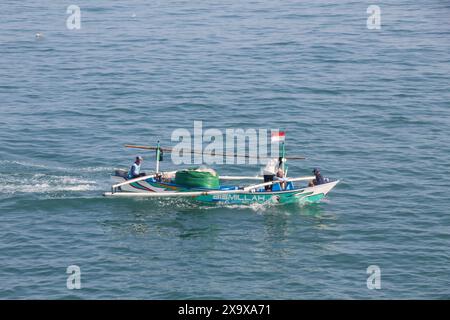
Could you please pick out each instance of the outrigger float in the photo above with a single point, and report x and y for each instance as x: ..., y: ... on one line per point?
x: 203, y: 184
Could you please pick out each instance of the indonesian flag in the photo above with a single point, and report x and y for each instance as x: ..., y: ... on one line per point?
x: 278, y: 136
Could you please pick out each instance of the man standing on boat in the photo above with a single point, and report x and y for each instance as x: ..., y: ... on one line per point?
x: 135, y: 170
x: 270, y: 171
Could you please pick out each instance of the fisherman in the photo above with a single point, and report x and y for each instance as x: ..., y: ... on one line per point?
x: 319, y: 178
x: 270, y: 171
x: 135, y: 170
x: 280, y: 176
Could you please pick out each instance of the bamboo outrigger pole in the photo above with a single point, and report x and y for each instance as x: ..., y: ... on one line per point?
x: 213, y: 154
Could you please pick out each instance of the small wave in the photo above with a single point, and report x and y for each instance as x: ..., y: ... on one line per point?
x: 42, y: 183
x: 259, y: 208
x: 47, y: 167
x: 92, y: 169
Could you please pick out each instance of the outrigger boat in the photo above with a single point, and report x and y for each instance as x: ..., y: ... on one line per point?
x: 177, y: 184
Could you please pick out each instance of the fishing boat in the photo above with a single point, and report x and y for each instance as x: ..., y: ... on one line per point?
x: 205, y: 185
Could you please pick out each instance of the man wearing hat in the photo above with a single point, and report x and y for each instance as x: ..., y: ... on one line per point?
x: 319, y: 178
x: 135, y: 170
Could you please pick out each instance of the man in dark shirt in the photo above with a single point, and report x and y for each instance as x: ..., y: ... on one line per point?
x: 319, y: 178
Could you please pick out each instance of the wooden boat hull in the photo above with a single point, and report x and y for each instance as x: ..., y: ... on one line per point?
x: 152, y: 188
x: 302, y: 196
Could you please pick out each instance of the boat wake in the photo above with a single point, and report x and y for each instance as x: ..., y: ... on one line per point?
x: 43, y: 183
x: 18, y: 177
x: 188, y: 204
x: 27, y: 166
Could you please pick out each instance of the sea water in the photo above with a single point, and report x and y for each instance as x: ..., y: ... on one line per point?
x: 368, y: 106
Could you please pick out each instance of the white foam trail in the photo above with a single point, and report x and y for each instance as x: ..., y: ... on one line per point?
x: 38, y: 165
x: 41, y: 183
x: 256, y: 207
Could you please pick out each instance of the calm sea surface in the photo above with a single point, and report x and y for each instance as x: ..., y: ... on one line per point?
x: 370, y: 107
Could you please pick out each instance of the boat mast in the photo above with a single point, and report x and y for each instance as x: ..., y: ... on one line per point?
x: 283, y: 158
x: 157, y: 157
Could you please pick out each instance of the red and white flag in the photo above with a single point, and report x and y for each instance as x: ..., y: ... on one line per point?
x: 278, y: 136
